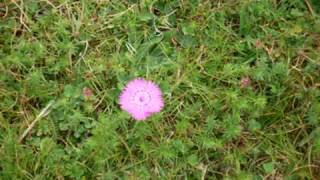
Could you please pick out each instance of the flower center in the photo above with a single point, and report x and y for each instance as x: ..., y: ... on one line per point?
x: 142, y: 98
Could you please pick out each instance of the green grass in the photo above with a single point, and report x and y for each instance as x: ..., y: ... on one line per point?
x: 198, y: 51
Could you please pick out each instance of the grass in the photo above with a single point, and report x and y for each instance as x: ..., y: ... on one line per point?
x: 241, y: 82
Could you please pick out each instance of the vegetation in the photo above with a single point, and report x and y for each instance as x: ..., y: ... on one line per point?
x: 240, y: 78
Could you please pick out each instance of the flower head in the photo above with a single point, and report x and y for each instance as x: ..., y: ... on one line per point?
x: 245, y: 82
x: 87, y: 93
x: 141, y: 98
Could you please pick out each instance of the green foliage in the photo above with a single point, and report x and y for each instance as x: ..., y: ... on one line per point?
x: 80, y: 54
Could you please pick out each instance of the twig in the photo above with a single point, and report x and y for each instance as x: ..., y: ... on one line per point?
x: 22, y: 14
x: 44, y: 112
x: 309, y: 7
x: 204, y: 171
x: 50, y: 3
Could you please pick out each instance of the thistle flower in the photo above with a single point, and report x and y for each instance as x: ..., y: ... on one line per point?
x: 141, y: 98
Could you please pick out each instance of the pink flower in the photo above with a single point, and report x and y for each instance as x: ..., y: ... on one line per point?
x: 245, y: 82
x: 141, y: 98
x: 87, y: 93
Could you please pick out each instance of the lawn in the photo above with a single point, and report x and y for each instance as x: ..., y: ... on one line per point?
x: 240, y: 81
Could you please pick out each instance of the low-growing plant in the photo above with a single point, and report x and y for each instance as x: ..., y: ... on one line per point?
x: 240, y: 80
